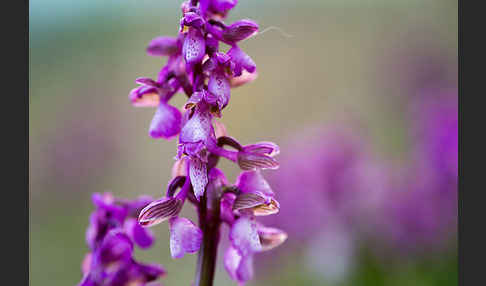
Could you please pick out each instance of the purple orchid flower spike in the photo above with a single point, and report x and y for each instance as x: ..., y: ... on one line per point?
x: 195, y: 67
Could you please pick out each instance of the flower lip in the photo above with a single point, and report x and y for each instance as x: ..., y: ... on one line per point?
x: 185, y: 237
x: 159, y: 211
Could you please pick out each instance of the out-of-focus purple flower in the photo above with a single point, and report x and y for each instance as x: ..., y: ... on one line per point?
x: 111, y: 235
x: 321, y: 179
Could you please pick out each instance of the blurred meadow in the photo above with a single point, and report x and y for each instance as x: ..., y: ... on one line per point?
x: 337, y: 62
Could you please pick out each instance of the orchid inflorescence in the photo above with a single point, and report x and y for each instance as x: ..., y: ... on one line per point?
x: 197, y: 68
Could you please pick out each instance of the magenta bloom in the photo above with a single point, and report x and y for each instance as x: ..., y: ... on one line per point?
x: 111, y: 236
x: 195, y: 67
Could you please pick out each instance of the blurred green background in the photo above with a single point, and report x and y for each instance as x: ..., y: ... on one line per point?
x: 343, y: 62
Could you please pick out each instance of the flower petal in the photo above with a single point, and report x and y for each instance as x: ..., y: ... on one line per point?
x: 231, y: 262
x: 244, y: 78
x: 256, y: 204
x: 159, y: 211
x: 194, y: 47
x: 271, y: 237
x: 240, y: 30
x: 143, y: 237
x: 144, y: 96
x: 199, y: 176
x: 242, y: 60
x: 185, y: 237
x: 162, y: 46
x: 244, y: 272
x: 219, y: 90
x: 254, y: 161
x: 166, y: 122
x: 244, y: 236
x: 253, y: 182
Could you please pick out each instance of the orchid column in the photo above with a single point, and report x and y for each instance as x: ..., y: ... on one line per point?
x: 197, y: 68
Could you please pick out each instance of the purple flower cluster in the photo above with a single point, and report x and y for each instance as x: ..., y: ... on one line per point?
x: 198, y: 68
x: 349, y: 195
x: 112, y: 233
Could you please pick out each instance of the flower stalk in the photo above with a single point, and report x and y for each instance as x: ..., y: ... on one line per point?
x: 209, y: 222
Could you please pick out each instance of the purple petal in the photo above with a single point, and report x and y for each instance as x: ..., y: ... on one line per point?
x: 185, y: 237
x: 166, y: 122
x: 227, y: 208
x: 116, y: 247
x: 253, y: 182
x: 241, y: 59
x: 162, y: 46
x: 143, y: 237
x: 144, y: 96
x: 255, y: 161
x: 264, y: 147
x: 192, y: 19
x: 146, y: 81
x: 198, y: 128
x: 271, y: 237
x: 244, y: 236
x: 222, y: 6
x: 240, y: 30
x: 159, y: 211
x: 194, y: 47
x: 244, y: 78
x: 231, y: 262
x: 256, y: 204
x: 195, y: 98
x: 219, y: 89
x: 199, y: 176
x: 180, y: 168
x: 244, y: 272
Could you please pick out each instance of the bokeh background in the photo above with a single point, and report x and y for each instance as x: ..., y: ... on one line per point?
x: 339, y: 64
